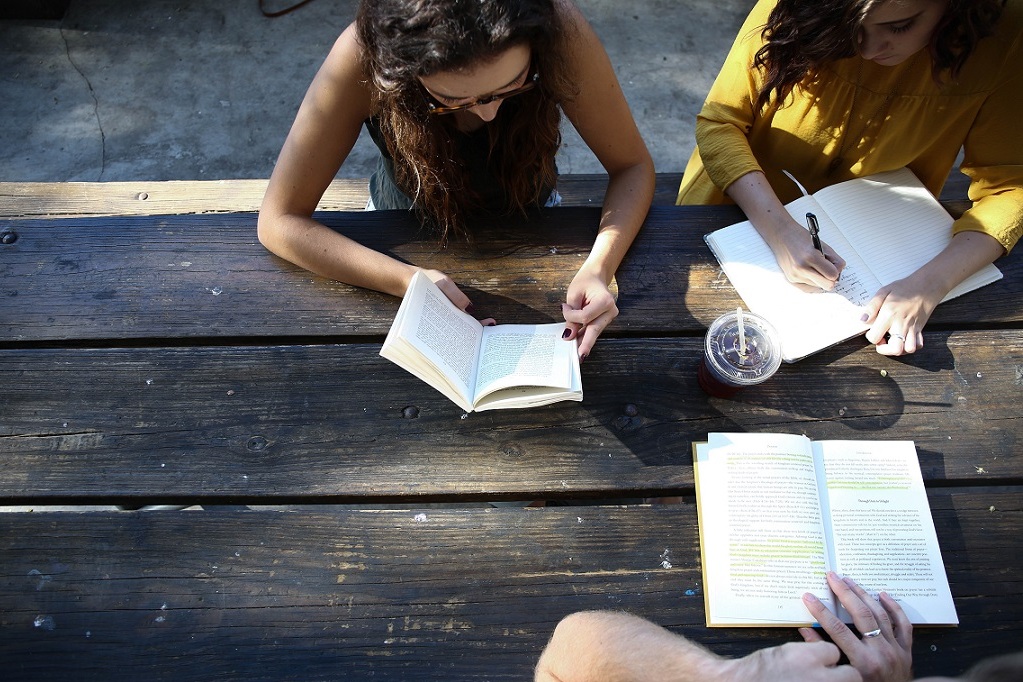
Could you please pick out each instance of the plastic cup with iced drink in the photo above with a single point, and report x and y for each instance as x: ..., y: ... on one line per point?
x: 741, y: 349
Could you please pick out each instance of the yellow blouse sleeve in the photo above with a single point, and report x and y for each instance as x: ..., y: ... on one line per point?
x: 727, y: 115
x: 993, y: 160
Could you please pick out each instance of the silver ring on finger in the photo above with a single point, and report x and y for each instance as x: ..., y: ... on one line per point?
x: 872, y: 633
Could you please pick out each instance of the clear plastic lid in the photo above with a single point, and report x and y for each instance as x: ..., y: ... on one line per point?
x: 724, y: 350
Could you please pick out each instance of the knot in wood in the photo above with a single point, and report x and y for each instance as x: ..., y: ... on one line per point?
x: 8, y: 236
x: 410, y: 412
x: 631, y: 410
x: 257, y: 443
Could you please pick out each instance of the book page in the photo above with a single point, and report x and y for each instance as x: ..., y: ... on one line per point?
x: 895, y: 225
x: 881, y: 527
x: 807, y: 321
x: 528, y: 396
x: 525, y: 355
x: 449, y: 336
x: 435, y: 341
x: 761, y: 529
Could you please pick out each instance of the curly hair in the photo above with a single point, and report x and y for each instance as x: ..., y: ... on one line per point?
x: 404, y: 40
x: 802, y: 36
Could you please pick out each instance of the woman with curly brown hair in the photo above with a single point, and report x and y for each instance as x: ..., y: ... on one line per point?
x: 464, y: 99
x: 830, y: 90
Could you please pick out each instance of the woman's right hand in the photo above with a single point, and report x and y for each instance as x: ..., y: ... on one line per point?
x: 793, y: 248
x: 884, y: 651
x: 454, y: 294
x: 801, y: 263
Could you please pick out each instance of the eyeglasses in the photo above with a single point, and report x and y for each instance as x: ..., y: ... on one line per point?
x: 439, y: 109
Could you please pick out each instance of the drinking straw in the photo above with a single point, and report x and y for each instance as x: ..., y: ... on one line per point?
x: 742, y: 332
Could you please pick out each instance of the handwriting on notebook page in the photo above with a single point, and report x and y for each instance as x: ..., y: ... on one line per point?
x: 852, y: 287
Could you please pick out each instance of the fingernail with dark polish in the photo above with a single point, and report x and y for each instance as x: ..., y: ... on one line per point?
x: 567, y: 333
x: 470, y: 308
x: 583, y: 356
x: 491, y: 324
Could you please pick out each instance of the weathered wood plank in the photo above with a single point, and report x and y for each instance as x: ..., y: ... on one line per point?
x: 258, y: 424
x: 57, y: 199
x: 420, y: 593
x: 51, y: 199
x: 208, y: 276
x: 79, y: 199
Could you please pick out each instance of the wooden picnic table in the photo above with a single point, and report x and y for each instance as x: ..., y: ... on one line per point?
x: 338, y: 522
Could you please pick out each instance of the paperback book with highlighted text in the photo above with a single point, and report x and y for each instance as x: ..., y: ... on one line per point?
x: 778, y: 511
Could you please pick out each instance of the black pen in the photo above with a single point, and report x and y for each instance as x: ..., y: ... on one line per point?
x: 811, y: 222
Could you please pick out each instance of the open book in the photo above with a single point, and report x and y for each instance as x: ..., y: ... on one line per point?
x: 777, y: 511
x: 480, y: 368
x: 886, y: 226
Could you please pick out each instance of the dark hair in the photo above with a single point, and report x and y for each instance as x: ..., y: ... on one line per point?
x: 801, y: 36
x: 404, y: 40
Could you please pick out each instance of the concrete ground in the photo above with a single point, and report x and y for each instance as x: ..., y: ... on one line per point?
x: 207, y: 89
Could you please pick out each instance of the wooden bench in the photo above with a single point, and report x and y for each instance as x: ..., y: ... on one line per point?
x: 43, y: 199
x: 343, y: 531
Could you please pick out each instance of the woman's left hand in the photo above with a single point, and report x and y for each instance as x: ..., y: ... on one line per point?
x: 885, y: 651
x: 902, y: 308
x: 589, y: 309
x: 898, y: 312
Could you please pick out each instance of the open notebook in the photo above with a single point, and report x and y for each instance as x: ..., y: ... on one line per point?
x: 886, y: 226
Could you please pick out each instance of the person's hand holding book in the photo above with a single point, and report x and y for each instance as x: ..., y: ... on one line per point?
x: 454, y: 294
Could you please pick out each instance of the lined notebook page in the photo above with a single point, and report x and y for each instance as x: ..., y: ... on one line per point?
x: 888, y: 220
x: 807, y: 321
x: 895, y: 225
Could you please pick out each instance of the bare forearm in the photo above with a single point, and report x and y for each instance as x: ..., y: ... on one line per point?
x: 798, y: 259
x: 754, y: 195
x: 604, y: 646
x: 967, y: 253
x: 626, y: 204
x: 312, y: 246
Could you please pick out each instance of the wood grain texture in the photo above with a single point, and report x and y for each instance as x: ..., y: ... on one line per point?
x: 148, y: 359
x: 53, y: 199
x: 432, y: 594
x: 256, y: 423
x: 207, y: 276
x: 79, y: 199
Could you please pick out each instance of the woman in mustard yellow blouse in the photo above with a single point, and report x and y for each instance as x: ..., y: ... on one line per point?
x: 834, y: 89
